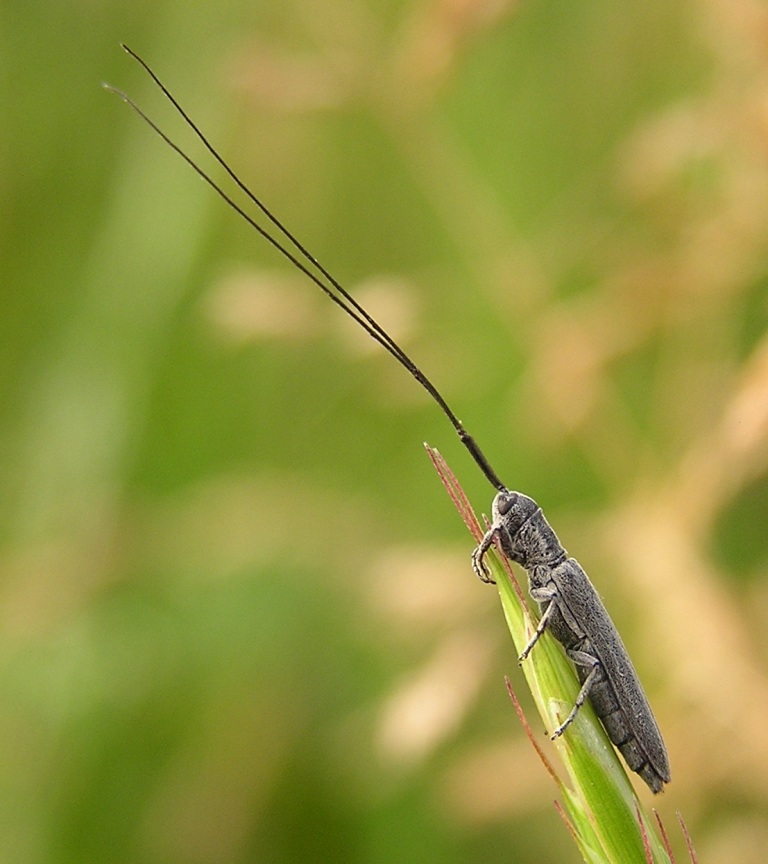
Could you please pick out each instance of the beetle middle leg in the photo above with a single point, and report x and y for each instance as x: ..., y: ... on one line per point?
x: 580, y: 658
x: 542, y: 595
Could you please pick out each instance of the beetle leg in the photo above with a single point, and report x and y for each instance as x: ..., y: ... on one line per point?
x: 581, y: 658
x: 546, y: 594
x: 478, y: 564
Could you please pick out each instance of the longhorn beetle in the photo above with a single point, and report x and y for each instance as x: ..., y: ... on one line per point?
x: 570, y: 607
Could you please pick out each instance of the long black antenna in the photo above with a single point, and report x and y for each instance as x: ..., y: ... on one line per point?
x: 304, y: 261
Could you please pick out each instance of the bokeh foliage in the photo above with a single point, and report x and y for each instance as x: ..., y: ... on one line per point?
x: 237, y: 617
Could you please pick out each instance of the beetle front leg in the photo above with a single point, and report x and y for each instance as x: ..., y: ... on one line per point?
x: 478, y: 564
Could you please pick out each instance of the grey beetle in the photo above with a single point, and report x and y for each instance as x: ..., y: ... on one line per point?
x: 574, y: 614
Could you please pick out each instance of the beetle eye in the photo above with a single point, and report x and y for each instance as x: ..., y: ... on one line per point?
x: 504, y: 503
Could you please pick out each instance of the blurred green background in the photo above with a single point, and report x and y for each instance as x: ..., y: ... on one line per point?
x: 237, y: 617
